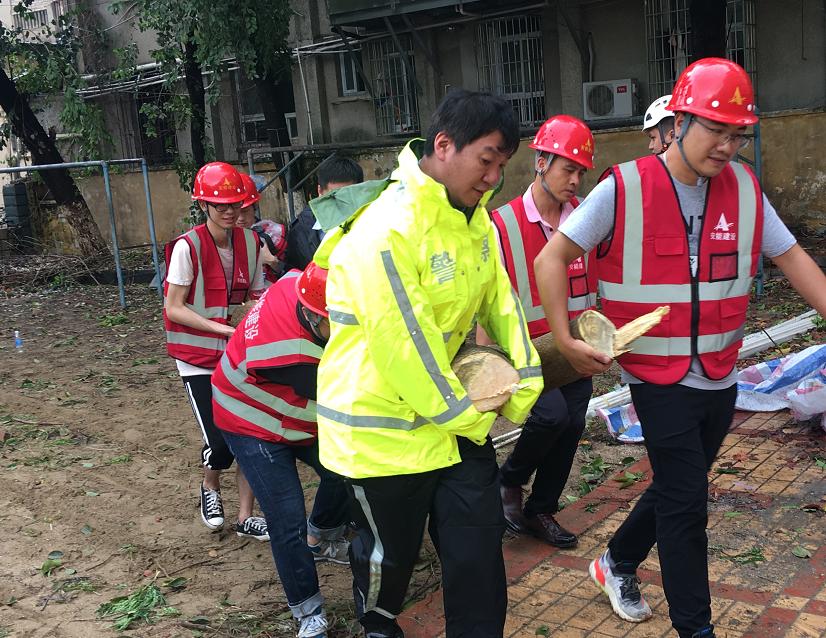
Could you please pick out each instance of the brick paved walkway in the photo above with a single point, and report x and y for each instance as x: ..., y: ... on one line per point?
x: 767, y: 501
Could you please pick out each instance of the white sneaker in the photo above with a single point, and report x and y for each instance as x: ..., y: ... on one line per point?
x: 314, y: 626
x: 335, y: 551
x: 212, y: 508
x: 622, y: 590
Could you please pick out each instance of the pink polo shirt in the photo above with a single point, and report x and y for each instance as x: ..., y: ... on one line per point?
x: 532, y: 213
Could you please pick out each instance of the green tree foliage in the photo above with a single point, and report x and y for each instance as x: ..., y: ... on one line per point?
x: 42, y: 62
x: 198, y: 39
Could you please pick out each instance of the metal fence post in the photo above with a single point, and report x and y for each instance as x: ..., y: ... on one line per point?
x: 104, y: 166
x: 150, y: 215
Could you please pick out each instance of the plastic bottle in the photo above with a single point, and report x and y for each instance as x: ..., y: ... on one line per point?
x: 18, y: 341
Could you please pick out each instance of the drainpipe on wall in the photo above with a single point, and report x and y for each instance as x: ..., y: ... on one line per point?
x: 306, y: 98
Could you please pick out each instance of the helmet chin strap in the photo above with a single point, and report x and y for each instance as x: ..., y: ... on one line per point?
x: 541, y: 173
x: 683, y: 130
x: 663, y: 144
x: 314, y: 320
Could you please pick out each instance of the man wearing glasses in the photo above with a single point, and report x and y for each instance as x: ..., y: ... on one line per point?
x: 211, y: 270
x: 686, y: 228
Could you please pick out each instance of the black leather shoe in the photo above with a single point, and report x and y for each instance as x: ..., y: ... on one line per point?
x: 512, y: 507
x: 545, y: 527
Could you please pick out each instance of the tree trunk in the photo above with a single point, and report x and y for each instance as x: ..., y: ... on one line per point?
x: 197, y: 97
x: 63, y: 188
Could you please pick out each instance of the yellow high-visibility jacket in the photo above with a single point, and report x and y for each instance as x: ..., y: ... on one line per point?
x: 407, y: 276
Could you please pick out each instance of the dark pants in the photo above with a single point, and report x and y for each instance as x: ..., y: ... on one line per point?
x: 271, y: 471
x: 683, y: 429
x: 547, y: 445
x: 215, y: 455
x: 466, y: 525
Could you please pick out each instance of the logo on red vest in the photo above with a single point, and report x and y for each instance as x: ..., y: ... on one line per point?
x: 577, y: 264
x: 723, y: 229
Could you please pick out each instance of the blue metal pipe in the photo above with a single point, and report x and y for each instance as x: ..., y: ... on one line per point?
x: 115, y: 249
x: 150, y: 215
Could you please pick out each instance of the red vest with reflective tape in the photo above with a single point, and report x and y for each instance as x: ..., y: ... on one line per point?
x: 646, y: 264
x: 208, y: 295
x: 271, y: 336
x: 521, y: 242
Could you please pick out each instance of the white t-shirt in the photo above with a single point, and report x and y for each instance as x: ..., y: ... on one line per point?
x: 182, y: 273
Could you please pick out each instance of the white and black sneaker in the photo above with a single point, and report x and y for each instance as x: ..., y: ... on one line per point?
x: 212, y: 508
x: 313, y: 626
x: 335, y: 551
x: 253, y: 527
x: 623, y: 590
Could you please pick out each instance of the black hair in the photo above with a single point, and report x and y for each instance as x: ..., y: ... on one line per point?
x: 465, y: 116
x: 340, y: 170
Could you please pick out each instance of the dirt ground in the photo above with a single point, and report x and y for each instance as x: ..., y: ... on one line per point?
x: 100, y: 463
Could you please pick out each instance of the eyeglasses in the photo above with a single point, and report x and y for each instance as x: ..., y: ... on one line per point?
x: 222, y: 208
x: 723, y: 138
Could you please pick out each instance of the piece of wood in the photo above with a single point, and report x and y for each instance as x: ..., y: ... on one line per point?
x: 599, y: 332
x: 241, y: 312
x: 487, y: 376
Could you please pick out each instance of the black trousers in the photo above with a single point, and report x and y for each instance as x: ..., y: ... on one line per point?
x: 547, y: 445
x: 466, y: 525
x: 683, y: 429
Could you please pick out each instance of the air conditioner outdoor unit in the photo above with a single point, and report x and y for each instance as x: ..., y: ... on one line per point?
x: 610, y: 99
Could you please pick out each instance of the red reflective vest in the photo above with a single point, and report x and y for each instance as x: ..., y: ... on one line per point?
x: 271, y: 336
x: 208, y: 295
x: 646, y: 264
x: 521, y: 242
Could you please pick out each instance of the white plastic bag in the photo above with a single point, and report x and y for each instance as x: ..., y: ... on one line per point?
x: 797, y: 382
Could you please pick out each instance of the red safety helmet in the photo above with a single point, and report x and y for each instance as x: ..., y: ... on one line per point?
x: 567, y: 136
x: 311, y: 286
x: 717, y: 89
x: 253, y: 196
x: 218, y: 183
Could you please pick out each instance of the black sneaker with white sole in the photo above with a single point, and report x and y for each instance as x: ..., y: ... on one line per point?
x: 212, y: 508
x: 253, y: 527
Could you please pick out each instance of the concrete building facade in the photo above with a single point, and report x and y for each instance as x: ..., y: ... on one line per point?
x: 369, y: 74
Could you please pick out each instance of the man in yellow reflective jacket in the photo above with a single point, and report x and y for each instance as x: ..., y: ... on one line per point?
x: 409, y: 273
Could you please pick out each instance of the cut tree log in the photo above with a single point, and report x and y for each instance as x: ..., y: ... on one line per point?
x: 489, y: 378
x: 599, y: 332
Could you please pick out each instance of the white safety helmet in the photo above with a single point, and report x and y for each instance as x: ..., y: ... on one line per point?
x: 657, y: 112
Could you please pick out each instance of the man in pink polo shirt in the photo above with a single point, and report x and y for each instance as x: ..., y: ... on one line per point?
x: 564, y: 149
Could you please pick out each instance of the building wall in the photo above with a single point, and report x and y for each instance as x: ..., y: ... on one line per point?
x: 791, y: 55
x: 793, y: 172
x: 618, y: 30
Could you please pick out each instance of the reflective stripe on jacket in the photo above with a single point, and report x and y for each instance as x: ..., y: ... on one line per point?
x: 271, y: 336
x: 646, y: 264
x: 522, y: 240
x: 208, y: 295
x: 408, y: 273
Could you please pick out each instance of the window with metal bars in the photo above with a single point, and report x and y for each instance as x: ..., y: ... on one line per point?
x: 668, y: 40
x: 741, y: 36
x: 509, y: 63
x: 394, y: 86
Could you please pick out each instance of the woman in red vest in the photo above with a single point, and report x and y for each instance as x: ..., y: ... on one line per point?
x: 274, y: 256
x: 211, y: 270
x: 547, y: 444
x: 263, y: 394
x: 686, y: 228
